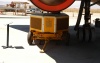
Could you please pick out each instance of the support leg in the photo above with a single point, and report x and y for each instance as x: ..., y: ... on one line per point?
x: 7, y: 46
x: 44, y: 46
x: 79, y: 15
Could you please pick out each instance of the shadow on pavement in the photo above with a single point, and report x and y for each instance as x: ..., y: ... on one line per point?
x: 24, y: 28
x: 76, y: 52
x: 19, y: 47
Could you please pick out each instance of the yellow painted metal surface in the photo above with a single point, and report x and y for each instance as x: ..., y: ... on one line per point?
x: 50, y: 36
x: 49, y: 24
x: 36, y: 23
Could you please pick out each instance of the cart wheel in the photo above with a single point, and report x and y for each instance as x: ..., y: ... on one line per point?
x: 29, y: 38
x: 66, y: 38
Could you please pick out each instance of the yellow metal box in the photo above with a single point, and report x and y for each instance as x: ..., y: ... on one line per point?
x: 49, y: 23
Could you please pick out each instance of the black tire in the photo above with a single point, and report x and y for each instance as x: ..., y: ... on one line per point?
x: 79, y: 34
x: 89, y: 34
x: 29, y: 38
x: 83, y: 34
x: 86, y: 34
x: 92, y: 35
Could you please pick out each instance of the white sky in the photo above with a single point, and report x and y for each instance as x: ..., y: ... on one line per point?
x: 76, y: 4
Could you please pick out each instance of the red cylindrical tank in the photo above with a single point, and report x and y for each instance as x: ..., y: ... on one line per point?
x: 52, y: 5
